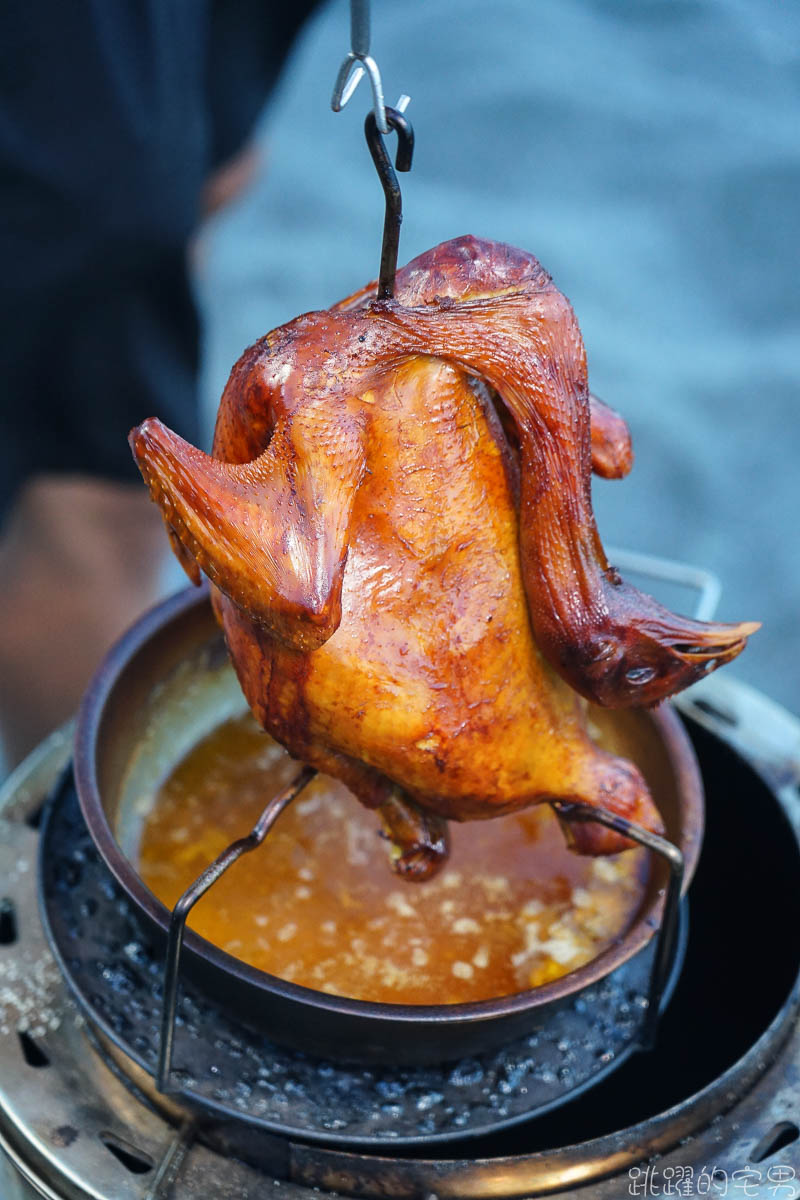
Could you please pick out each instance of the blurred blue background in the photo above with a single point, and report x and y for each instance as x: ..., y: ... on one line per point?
x: 647, y: 153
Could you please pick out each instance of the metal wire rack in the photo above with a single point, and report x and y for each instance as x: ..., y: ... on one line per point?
x: 708, y: 588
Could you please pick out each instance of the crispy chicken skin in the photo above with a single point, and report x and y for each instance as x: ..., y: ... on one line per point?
x: 397, y: 525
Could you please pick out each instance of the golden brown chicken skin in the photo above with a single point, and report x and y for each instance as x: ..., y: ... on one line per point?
x: 397, y: 525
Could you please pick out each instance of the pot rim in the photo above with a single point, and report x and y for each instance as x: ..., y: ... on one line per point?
x: 87, y: 748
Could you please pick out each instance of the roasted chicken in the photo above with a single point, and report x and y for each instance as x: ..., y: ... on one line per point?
x: 396, y: 522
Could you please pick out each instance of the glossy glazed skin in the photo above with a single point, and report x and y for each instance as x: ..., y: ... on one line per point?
x: 396, y: 521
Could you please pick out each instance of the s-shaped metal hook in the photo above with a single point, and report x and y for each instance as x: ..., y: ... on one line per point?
x: 393, y: 217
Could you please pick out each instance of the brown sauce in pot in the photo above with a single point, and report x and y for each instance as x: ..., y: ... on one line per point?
x: 318, y: 905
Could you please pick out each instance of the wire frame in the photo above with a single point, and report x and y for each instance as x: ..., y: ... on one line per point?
x: 583, y: 813
x: 195, y: 891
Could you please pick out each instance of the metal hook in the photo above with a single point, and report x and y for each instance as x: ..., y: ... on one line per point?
x: 669, y: 928
x: 391, y: 188
x: 357, y: 64
x: 351, y: 73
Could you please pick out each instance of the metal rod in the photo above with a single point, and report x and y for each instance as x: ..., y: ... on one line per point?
x: 668, y: 930
x: 180, y: 913
x: 393, y: 214
x: 359, y: 27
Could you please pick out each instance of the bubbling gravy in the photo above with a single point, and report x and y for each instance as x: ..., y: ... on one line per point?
x: 317, y: 904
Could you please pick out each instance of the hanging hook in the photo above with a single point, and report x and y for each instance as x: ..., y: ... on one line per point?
x: 357, y: 64
x: 391, y: 188
x: 351, y: 73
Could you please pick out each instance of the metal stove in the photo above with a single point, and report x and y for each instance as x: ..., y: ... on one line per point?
x: 713, y: 1110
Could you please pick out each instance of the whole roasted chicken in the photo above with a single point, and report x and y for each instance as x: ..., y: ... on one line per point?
x: 396, y: 522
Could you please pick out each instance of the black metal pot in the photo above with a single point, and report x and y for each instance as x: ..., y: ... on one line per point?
x: 165, y: 685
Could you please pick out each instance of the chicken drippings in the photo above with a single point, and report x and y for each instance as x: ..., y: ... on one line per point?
x: 318, y: 905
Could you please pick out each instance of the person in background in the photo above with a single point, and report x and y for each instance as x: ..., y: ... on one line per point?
x: 122, y: 124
